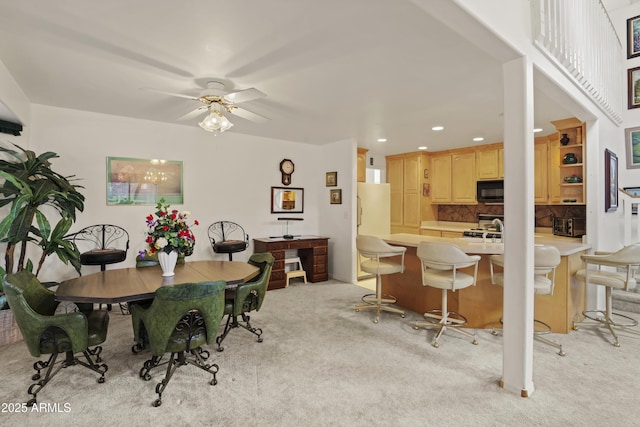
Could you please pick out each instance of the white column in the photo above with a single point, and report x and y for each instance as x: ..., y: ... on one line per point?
x: 519, y: 227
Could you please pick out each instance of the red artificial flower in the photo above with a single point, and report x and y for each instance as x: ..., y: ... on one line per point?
x: 173, y: 216
x: 161, y: 214
x: 150, y: 218
x: 196, y: 222
x: 165, y: 228
x: 150, y: 239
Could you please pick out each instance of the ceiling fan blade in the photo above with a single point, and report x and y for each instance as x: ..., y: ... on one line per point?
x: 195, y: 113
x: 179, y: 95
x: 244, y: 95
x: 246, y: 114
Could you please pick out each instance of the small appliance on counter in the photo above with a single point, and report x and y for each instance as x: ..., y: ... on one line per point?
x: 569, y: 227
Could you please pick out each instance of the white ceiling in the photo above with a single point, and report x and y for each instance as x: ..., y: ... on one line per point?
x: 331, y: 69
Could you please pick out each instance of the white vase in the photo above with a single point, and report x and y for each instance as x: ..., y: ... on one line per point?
x: 168, y: 262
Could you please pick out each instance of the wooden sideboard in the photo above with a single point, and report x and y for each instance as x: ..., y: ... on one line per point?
x: 312, y: 250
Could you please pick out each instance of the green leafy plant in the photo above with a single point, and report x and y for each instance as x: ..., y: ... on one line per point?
x: 29, y: 186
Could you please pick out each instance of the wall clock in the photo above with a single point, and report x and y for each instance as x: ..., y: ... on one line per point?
x: 286, y: 167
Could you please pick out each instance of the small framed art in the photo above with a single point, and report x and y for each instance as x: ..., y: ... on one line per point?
x: 332, y: 179
x: 336, y: 197
x: 632, y: 144
x: 610, y: 181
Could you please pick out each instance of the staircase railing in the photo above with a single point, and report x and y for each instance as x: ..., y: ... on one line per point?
x: 629, y: 203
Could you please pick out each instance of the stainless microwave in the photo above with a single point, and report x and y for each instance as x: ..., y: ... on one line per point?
x: 490, y: 191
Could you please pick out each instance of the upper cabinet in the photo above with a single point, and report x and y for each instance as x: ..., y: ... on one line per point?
x: 454, y: 177
x: 362, y: 164
x: 540, y: 175
x: 490, y: 162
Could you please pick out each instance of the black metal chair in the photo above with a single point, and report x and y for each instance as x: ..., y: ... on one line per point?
x: 228, y: 238
x: 102, y: 244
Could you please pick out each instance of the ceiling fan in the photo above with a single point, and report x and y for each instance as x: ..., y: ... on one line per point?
x: 215, y: 101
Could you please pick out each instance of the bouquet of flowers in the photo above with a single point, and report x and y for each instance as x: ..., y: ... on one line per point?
x: 169, y: 231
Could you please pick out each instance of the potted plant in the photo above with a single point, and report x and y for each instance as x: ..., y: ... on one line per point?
x: 29, y: 186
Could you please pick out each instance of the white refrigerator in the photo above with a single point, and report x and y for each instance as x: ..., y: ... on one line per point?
x: 374, y: 212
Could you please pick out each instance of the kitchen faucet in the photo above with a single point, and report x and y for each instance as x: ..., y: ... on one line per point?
x: 499, y: 227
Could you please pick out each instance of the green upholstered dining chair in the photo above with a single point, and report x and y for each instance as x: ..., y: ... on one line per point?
x: 45, y: 332
x: 247, y: 297
x: 180, y: 320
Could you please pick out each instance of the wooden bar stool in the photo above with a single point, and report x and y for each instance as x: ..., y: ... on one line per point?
x: 298, y: 272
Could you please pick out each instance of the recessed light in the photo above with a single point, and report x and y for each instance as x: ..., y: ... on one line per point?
x: 478, y: 139
x: 382, y: 139
x: 437, y: 128
x: 537, y: 130
x: 423, y: 147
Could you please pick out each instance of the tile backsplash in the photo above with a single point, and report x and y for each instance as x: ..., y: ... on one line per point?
x: 543, y: 213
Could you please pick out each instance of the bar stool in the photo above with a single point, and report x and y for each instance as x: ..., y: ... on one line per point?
x: 626, y: 262
x: 372, y: 254
x: 546, y: 260
x: 298, y: 272
x: 440, y: 269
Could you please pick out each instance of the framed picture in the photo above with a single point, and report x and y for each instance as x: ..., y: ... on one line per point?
x: 632, y: 143
x: 633, y: 87
x: 287, y: 200
x: 610, y: 181
x: 143, y: 181
x: 332, y: 179
x: 633, y: 37
x: 336, y: 197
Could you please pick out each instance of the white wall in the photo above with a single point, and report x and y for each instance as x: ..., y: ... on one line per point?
x: 225, y: 177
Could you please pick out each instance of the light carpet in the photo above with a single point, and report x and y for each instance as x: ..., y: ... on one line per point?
x: 321, y: 363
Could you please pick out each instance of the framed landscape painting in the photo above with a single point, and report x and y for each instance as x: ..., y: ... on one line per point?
x: 633, y: 87
x: 633, y: 37
x: 143, y: 181
x: 632, y: 144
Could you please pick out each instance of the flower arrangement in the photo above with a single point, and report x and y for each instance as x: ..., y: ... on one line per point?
x: 169, y: 231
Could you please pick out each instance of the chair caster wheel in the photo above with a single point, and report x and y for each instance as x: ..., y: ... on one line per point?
x: 157, y: 403
x: 402, y: 315
x: 616, y: 344
x: 101, y: 380
x: 436, y: 345
x: 561, y: 353
x: 213, y: 382
x: 375, y: 321
x: 474, y: 342
x: 31, y: 402
x: 260, y: 339
x: 220, y: 349
x: 494, y: 333
x: 416, y: 327
x: 357, y: 310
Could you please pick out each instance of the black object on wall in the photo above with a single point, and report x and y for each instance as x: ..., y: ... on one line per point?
x: 10, y: 128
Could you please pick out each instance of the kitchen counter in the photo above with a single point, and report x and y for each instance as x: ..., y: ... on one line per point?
x: 482, y: 304
x: 566, y: 245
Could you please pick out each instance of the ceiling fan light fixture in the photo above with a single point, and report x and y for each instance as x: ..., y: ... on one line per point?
x: 215, y: 122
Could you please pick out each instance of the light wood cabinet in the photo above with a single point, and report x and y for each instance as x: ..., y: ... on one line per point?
x: 570, y: 193
x: 454, y: 177
x: 431, y: 233
x: 555, y: 195
x: 540, y: 176
x: 405, y: 174
x: 489, y: 163
x: 362, y: 164
x: 463, y: 178
x: 441, y: 178
x: 451, y: 234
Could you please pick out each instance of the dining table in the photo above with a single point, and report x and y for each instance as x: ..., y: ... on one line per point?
x: 137, y: 284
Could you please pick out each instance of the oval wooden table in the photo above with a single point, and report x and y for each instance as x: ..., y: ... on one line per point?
x: 135, y: 284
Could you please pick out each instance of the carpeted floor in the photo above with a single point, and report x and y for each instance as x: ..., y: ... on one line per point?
x: 321, y: 363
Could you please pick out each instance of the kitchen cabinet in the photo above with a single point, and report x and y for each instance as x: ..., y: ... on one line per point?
x: 490, y: 161
x: 540, y: 176
x: 439, y: 233
x: 405, y: 174
x: 362, y: 164
x: 454, y: 177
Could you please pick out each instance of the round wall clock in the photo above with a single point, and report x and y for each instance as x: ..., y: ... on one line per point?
x: 286, y: 167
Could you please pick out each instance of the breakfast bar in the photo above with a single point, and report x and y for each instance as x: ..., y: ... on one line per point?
x: 482, y: 304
